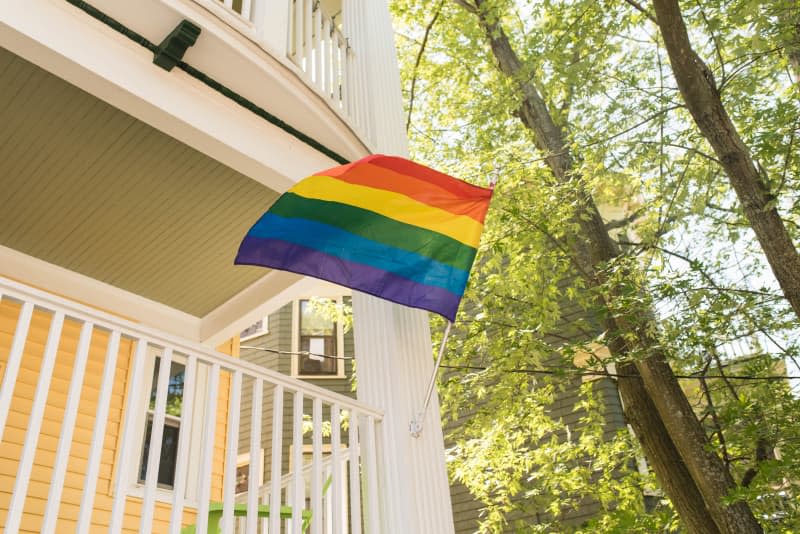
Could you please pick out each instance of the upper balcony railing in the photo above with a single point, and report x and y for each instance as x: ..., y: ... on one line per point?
x: 151, y: 431
x: 318, y: 45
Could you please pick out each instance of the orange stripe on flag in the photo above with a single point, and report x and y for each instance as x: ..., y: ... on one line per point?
x: 401, y: 166
x: 423, y: 191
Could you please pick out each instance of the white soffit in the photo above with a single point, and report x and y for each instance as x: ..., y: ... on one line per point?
x: 83, y: 51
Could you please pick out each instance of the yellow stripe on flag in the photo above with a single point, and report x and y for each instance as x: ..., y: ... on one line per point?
x: 393, y: 205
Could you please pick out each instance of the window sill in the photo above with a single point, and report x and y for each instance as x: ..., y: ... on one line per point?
x: 320, y: 377
x: 162, y: 495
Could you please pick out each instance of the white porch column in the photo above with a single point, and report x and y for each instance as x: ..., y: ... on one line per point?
x: 392, y: 342
x: 394, y: 364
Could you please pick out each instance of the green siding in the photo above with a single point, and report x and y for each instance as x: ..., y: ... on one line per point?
x: 279, y: 337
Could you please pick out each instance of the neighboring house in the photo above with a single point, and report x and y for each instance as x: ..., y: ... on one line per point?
x: 275, y: 341
x: 139, y: 142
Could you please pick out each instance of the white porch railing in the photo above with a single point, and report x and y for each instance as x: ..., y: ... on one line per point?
x: 335, y: 509
x: 348, y: 505
x: 318, y: 45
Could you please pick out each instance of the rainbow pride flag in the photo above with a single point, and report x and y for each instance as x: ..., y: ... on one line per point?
x: 382, y: 225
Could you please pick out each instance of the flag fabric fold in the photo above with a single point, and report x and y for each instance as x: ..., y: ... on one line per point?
x: 383, y: 225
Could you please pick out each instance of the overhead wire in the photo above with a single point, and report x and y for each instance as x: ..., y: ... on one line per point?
x: 553, y: 370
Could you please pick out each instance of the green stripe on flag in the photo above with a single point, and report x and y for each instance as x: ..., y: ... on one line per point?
x: 376, y: 227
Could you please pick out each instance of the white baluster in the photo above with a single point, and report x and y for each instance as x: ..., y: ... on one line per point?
x: 277, y: 452
x: 255, y: 456
x: 184, y: 442
x: 156, y: 438
x: 13, y: 362
x: 232, y: 450
x: 298, y: 495
x: 20, y: 490
x: 332, y: 42
x: 308, y: 50
x: 327, y: 501
x: 356, y: 33
x: 316, y: 469
x: 99, y: 434
x: 336, y: 470
x: 67, y: 429
x: 297, y: 27
x: 355, y: 475
x: 347, y: 81
x: 334, y: 68
x: 246, y: 13
x: 317, y: 46
x: 207, y: 457
x: 371, y: 474
x: 127, y: 448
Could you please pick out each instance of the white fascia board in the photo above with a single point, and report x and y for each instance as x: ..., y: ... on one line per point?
x: 80, y: 288
x: 260, y: 299
x: 57, y: 37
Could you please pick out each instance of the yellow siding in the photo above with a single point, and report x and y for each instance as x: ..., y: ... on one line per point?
x: 11, y: 445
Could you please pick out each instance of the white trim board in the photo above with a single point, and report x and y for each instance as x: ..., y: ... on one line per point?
x: 78, y: 287
x: 258, y: 300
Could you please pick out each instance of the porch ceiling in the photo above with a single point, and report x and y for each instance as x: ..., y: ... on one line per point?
x: 87, y: 187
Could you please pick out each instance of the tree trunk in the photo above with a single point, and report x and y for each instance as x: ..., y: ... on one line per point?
x: 707, y: 469
x: 661, y: 453
x: 700, y: 93
x: 695, y: 479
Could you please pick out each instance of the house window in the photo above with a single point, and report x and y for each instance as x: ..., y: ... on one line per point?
x: 172, y: 425
x: 243, y: 471
x: 320, y: 336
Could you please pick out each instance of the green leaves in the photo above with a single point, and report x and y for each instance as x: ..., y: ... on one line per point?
x: 538, y: 444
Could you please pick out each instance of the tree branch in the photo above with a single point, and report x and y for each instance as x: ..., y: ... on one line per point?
x: 620, y: 223
x: 639, y: 7
x: 418, y: 60
x: 702, y: 98
x: 466, y: 5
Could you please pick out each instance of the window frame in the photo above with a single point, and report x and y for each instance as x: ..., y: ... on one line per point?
x: 340, y: 364
x: 243, y: 460
x: 264, y: 330
x: 140, y: 413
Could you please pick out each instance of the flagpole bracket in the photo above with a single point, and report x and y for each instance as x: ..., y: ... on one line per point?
x: 415, y: 426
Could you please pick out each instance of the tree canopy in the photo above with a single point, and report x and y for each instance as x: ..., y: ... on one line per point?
x: 687, y: 280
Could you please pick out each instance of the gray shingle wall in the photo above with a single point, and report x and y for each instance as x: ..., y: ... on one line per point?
x: 279, y: 337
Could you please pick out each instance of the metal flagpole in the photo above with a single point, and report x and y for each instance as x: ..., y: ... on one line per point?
x: 417, y: 422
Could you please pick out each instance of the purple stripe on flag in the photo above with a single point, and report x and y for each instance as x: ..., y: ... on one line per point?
x: 303, y: 260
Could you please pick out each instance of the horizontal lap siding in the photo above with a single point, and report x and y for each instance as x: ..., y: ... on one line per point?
x: 231, y: 348
x: 279, y: 337
x: 467, y: 510
x: 24, y: 391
